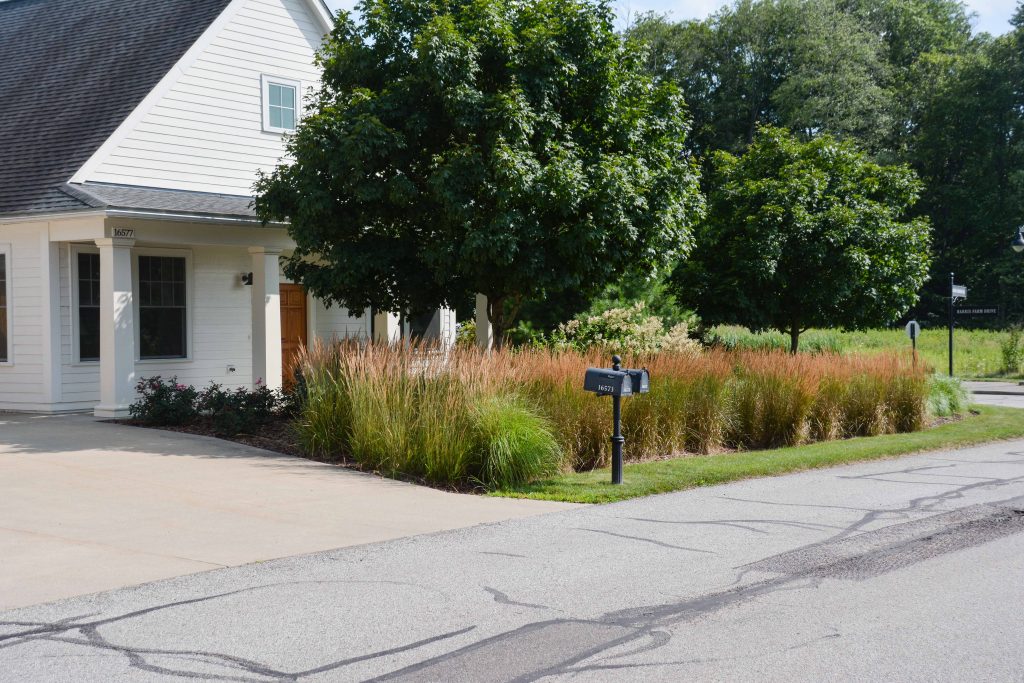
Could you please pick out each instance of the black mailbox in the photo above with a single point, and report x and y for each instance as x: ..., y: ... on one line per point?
x: 604, y: 382
x: 641, y: 381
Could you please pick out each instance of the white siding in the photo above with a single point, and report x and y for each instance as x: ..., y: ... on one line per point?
x: 221, y: 333
x: 80, y: 381
x: 337, y: 322
x: 205, y: 133
x: 22, y: 379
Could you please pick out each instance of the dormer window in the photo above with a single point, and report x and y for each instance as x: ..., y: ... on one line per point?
x: 280, y: 104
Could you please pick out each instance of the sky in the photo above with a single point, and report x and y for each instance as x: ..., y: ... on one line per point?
x: 992, y: 16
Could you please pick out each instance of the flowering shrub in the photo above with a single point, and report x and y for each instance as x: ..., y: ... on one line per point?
x: 241, y: 410
x: 164, y: 402
x: 168, y: 403
x: 465, y: 334
x: 623, y: 330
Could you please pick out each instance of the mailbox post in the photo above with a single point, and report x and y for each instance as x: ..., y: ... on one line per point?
x: 616, y: 383
x: 617, y: 438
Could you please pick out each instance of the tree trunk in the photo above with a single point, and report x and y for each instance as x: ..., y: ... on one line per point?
x: 794, y: 338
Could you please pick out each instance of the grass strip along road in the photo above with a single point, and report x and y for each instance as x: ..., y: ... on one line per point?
x: 647, y: 478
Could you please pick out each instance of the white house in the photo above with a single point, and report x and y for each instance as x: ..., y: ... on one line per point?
x: 131, y: 134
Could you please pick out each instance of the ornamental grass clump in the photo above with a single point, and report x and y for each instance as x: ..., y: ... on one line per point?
x: 946, y: 396
x: 444, y: 418
x: 773, y: 401
x: 516, y: 444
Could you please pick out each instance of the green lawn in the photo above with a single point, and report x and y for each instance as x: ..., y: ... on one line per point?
x: 644, y: 479
x: 977, y: 353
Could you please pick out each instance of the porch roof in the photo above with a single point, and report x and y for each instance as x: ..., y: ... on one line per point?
x: 136, y: 198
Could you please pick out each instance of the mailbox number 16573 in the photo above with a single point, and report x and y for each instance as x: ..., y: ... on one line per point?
x: 605, y: 387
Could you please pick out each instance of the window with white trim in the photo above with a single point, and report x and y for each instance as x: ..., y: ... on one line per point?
x: 163, y: 308
x: 87, y: 264
x: 5, y: 285
x: 280, y: 104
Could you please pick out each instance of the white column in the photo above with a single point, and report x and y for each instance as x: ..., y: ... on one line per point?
x: 448, y: 327
x: 484, y: 333
x: 49, y: 275
x: 386, y: 328
x: 266, y: 316
x: 117, y: 328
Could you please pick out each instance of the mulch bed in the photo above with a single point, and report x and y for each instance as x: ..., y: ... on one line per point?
x: 275, y: 436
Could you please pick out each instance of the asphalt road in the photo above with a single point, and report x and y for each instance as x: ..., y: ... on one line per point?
x: 909, y: 569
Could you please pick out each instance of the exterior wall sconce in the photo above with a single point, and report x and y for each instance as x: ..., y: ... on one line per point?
x: 247, y: 279
x: 1018, y: 242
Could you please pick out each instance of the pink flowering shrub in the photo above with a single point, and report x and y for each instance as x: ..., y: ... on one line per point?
x: 164, y: 402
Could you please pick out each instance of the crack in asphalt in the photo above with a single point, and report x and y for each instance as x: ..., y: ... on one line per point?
x: 55, y: 632
x: 503, y: 599
x: 745, y: 524
x: 647, y: 540
x: 703, y: 660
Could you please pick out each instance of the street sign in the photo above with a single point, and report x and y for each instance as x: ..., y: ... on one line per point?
x: 913, y: 330
x: 978, y: 310
x: 958, y: 292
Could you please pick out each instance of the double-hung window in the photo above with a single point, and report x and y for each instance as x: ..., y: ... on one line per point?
x: 280, y: 104
x: 163, y: 314
x: 88, y: 264
x: 5, y: 317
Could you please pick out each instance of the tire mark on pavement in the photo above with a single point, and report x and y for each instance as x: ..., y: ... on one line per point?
x: 503, y: 599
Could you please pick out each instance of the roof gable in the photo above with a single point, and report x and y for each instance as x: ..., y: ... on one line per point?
x: 73, y: 71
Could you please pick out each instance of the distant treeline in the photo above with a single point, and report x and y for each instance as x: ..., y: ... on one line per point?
x: 905, y: 79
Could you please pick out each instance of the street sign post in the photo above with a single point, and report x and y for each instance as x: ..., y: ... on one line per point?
x: 955, y: 292
x: 913, y: 331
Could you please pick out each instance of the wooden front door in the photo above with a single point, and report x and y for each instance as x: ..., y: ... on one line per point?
x: 293, y: 328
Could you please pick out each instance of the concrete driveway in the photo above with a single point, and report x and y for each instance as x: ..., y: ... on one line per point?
x: 88, y: 506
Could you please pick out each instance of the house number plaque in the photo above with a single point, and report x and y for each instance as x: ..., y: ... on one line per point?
x: 124, y: 232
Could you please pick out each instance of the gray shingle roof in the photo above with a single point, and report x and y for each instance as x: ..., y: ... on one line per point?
x: 70, y: 72
x: 109, y: 196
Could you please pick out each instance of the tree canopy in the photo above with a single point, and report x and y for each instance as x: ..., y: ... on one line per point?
x: 516, y: 149
x: 806, y: 234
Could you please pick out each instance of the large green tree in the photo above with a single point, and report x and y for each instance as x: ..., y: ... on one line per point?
x: 806, y: 234
x: 512, y: 148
